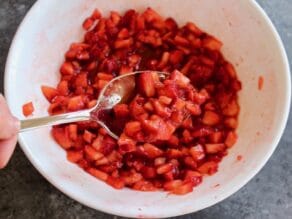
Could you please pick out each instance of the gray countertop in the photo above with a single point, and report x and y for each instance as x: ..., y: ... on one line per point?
x: 24, y: 193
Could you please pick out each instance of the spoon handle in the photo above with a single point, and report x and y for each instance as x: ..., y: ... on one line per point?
x: 30, y: 124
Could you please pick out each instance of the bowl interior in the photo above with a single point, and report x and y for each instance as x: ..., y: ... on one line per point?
x: 250, y: 43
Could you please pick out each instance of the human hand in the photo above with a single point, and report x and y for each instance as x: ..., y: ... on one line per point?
x: 9, y: 126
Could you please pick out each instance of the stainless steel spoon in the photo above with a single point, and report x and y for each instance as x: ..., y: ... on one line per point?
x: 118, y: 90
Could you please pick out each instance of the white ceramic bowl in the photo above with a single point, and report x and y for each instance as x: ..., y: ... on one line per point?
x: 251, y: 43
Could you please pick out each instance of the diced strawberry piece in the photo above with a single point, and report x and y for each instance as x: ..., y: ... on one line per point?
x: 188, y: 124
x: 151, y: 151
x: 216, y: 137
x: 232, y: 109
x: 98, y: 174
x: 161, y: 110
x: 183, y: 189
x: 102, y: 161
x: 28, y: 109
x: 75, y: 103
x: 171, y: 185
x: 202, y: 132
x: 209, y: 168
x: 212, y: 43
x: 211, y: 118
x: 148, y: 106
x: 121, y: 44
x: 108, y: 145
x: 144, y: 185
x: 159, y: 161
x: 126, y: 144
x: 132, y: 128
x: 131, y: 178
x: 88, y: 136
x: 148, y: 172
x: 88, y: 23
x: 174, y: 153
x: 96, y: 14
x: 115, y: 17
x: 81, y: 80
x: 67, y: 68
x: 180, y: 79
x: 231, y: 122
x: 194, y: 109
x: 170, y: 24
x: 179, y: 104
x: 179, y: 40
x: 49, y: 92
x: 164, y: 60
x: 92, y: 154
x: 190, y: 162
x: 187, y: 136
x: 173, y: 141
x: 73, y: 131
x: 83, y: 164
x: 74, y: 156
x: 121, y: 110
x: 146, y: 84
x: 201, y: 97
x: 63, y: 88
x: 231, y: 139
x: 97, y: 143
x: 194, y: 177
x: 164, y: 168
x: 165, y: 100
x: 197, y: 152
x: 169, y: 176
x: 176, y: 57
x: 214, y: 148
x: 117, y: 183
x: 193, y: 28
x: 150, y: 15
x: 61, y: 136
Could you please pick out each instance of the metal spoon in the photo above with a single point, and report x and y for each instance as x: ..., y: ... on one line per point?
x: 118, y: 90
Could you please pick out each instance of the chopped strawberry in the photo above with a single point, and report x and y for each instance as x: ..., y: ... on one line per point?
x: 61, y: 136
x: 214, y: 148
x: 211, y: 118
x: 197, y: 152
x: 117, y: 183
x: 194, y: 177
x: 74, y: 156
x: 209, y: 168
x: 183, y: 189
x: 75, y: 103
x: 98, y: 174
x: 146, y: 84
x: 49, y: 92
x: 27, y: 109
x: 231, y: 139
x: 180, y: 79
x: 151, y: 151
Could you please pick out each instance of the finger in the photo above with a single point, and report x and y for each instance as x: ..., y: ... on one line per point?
x: 6, y: 149
x: 9, y: 125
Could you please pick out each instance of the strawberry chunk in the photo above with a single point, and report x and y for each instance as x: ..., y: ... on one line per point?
x: 211, y: 118
x: 49, y: 92
x: 27, y: 109
x: 146, y: 84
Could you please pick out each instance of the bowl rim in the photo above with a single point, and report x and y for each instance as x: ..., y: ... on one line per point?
x: 249, y: 176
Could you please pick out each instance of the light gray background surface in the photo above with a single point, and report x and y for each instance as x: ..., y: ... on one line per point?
x: 24, y: 193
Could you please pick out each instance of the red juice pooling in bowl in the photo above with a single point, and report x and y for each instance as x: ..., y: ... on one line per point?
x: 172, y: 132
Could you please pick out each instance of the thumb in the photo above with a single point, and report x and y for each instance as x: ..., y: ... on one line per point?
x: 9, y: 125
